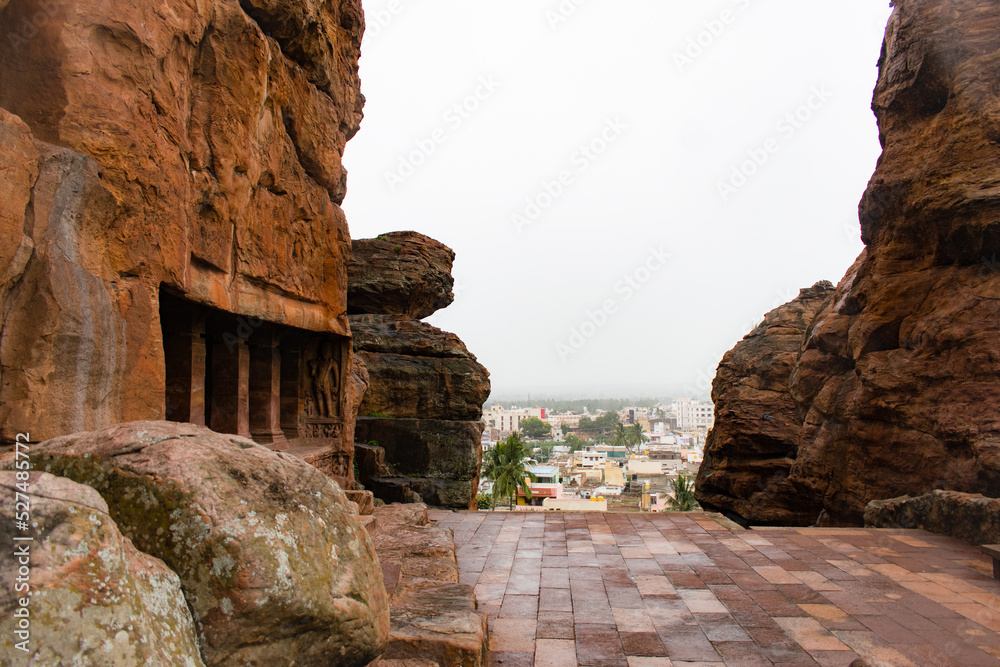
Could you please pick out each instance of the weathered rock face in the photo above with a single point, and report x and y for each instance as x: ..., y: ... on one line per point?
x: 433, y: 458
x: 755, y: 441
x: 434, y: 617
x: 196, y: 150
x: 400, y: 272
x: 95, y: 599
x: 426, y: 390
x: 422, y: 372
x: 272, y: 557
x: 966, y: 516
x: 898, y: 381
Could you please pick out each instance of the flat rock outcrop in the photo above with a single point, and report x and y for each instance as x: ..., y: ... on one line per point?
x: 421, y: 371
x: 426, y: 390
x: 196, y: 150
x: 272, y: 557
x: 94, y: 598
x: 897, y: 385
x: 405, y: 273
x: 967, y: 516
x: 434, y: 617
x: 750, y: 451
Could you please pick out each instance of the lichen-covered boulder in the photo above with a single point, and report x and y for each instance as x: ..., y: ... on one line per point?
x: 95, y: 599
x: 273, y: 559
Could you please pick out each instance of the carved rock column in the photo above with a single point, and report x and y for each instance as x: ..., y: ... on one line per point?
x: 231, y: 386
x: 265, y: 389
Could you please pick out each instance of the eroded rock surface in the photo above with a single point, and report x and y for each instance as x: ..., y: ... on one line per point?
x: 967, y: 516
x: 439, y: 460
x: 95, y: 599
x: 750, y: 451
x: 898, y: 381
x: 405, y: 273
x: 272, y: 558
x: 195, y: 148
x: 434, y: 617
x: 420, y: 371
x: 425, y: 389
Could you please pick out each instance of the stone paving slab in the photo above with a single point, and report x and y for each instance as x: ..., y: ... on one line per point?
x: 645, y: 590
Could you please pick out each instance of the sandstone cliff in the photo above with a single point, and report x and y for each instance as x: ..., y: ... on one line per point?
x: 426, y: 390
x: 750, y: 452
x: 192, y: 149
x: 897, y: 382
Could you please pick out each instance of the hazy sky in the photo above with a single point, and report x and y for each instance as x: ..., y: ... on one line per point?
x: 629, y: 185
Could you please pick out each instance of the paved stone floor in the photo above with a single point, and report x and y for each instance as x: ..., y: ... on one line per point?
x: 637, y: 590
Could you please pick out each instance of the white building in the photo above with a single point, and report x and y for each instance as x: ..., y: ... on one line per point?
x: 508, y: 421
x: 694, y: 415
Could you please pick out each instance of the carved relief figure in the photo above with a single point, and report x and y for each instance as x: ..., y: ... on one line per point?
x: 325, y: 375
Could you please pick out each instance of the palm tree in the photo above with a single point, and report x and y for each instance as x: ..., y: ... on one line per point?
x: 621, y: 437
x: 683, y: 500
x: 637, y: 437
x: 505, y: 465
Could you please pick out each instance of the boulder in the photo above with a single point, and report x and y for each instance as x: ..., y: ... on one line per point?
x: 754, y: 443
x: 403, y: 335
x: 95, y: 599
x: 417, y: 371
x: 437, y: 459
x: 400, y: 272
x: 897, y: 382
x: 967, y: 516
x: 272, y: 557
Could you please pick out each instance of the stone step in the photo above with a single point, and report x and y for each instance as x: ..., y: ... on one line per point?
x: 434, y: 617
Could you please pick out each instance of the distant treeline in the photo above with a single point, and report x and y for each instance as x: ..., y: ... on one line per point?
x: 578, y: 405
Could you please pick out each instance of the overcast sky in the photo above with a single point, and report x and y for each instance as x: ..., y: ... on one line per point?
x: 629, y: 185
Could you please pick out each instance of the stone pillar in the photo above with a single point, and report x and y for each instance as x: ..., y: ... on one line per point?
x: 231, y: 386
x: 265, y: 390
x: 290, y: 403
x: 184, y: 354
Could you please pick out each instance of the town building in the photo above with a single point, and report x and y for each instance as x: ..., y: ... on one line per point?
x: 694, y: 415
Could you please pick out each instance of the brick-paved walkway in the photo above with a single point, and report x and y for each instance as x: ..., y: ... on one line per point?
x: 637, y: 590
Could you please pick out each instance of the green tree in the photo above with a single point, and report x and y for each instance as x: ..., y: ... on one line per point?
x: 683, y: 500
x: 608, y: 422
x: 637, y: 437
x: 576, y: 443
x: 588, y: 425
x: 621, y: 437
x: 505, y: 465
x: 565, y: 428
x: 533, y: 427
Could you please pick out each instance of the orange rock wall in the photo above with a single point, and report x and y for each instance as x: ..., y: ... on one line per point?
x: 193, y: 145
